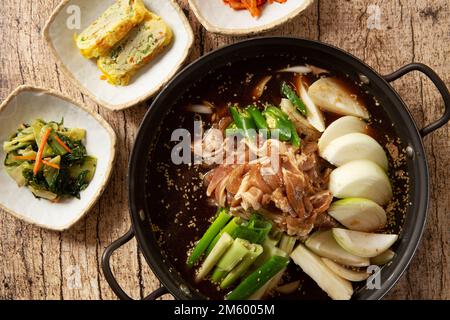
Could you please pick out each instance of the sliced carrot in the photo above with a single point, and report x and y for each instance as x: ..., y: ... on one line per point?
x: 40, y: 152
x: 53, y: 165
x: 24, y: 158
x: 55, y: 136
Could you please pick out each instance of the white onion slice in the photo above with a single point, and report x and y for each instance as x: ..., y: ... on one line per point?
x: 297, y: 69
x: 316, y: 70
x: 260, y: 87
x: 199, y: 108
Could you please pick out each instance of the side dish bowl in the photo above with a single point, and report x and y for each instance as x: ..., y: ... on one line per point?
x: 62, y: 27
x: 218, y: 17
x: 26, y: 104
x: 315, y: 53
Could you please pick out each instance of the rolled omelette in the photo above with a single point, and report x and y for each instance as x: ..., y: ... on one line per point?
x: 137, y: 49
x: 111, y: 27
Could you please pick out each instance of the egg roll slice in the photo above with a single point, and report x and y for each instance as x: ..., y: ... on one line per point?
x: 111, y: 27
x: 137, y: 49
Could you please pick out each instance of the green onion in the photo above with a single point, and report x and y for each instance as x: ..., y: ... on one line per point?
x: 286, y: 244
x: 270, y: 250
x: 234, y: 255
x: 290, y: 94
x: 221, y: 220
x: 230, y: 228
x: 220, y: 248
x: 260, y: 224
x: 269, y: 286
x: 255, y: 231
x: 258, y: 278
x: 242, y: 267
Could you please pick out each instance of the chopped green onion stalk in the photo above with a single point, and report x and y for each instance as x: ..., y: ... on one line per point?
x: 230, y: 228
x: 269, y: 286
x: 270, y: 249
x: 261, y: 225
x: 290, y: 94
x: 255, y: 231
x: 258, y: 278
x: 221, y: 220
x: 211, y: 260
x: 261, y: 292
x: 234, y: 255
x: 242, y: 267
x: 286, y: 244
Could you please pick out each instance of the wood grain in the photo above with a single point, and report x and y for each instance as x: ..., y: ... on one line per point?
x: 40, y: 264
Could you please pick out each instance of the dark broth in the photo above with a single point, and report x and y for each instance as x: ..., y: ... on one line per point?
x: 180, y: 212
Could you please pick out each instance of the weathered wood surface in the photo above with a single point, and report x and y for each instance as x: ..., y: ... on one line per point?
x: 40, y: 264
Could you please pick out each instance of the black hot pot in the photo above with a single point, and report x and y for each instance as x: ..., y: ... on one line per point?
x: 324, y: 55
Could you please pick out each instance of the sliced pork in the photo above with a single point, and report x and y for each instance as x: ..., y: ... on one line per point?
x: 291, y: 191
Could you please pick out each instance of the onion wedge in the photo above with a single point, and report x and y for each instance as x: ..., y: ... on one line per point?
x: 355, y: 146
x: 363, y: 244
x: 358, y: 214
x: 340, y: 127
x: 314, y: 114
x: 329, y: 94
x: 323, y: 244
x: 347, y: 274
x: 383, y: 258
x: 361, y: 179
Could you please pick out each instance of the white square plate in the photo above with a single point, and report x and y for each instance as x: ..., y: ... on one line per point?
x: 59, y: 34
x: 218, y: 17
x: 26, y: 104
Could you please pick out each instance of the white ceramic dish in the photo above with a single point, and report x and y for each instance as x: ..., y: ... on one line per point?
x: 59, y: 34
x: 24, y: 105
x: 218, y: 17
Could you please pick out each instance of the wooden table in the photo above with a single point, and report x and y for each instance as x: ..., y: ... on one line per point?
x: 40, y: 264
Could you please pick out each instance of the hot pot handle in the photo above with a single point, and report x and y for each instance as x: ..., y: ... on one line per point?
x: 106, y: 266
x: 440, y: 85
